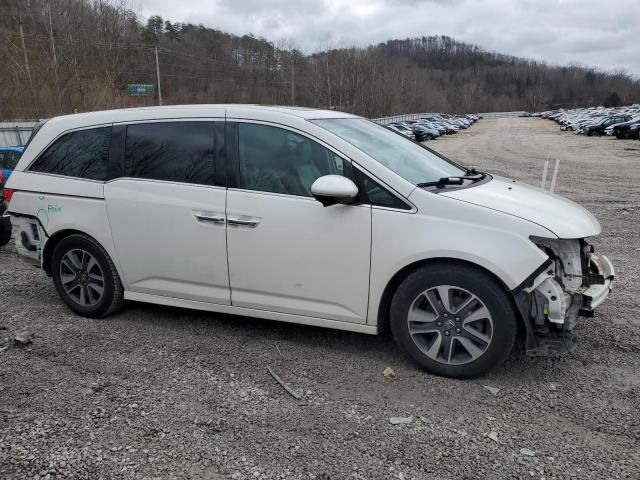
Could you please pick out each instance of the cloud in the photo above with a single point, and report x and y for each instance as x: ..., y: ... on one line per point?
x: 589, y: 32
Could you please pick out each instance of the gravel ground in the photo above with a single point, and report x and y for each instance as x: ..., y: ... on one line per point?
x: 156, y: 392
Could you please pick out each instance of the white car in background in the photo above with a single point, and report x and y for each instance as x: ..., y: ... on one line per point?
x: 403, y: 130
x: 306, y: 216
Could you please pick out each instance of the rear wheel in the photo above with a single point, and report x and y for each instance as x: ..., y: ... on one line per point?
x: 5, y: 233
x: 85, y: 277
x: 453, y: 320
x: 5, y: 225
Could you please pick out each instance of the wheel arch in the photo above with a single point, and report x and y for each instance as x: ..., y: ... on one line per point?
x: 384, y: 308
x: 54, y: 240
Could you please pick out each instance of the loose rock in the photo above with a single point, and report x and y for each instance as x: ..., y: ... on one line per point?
x: 493, y: 390
x: 400, y: 420
x: 22, y: 339
x: 528, y: 452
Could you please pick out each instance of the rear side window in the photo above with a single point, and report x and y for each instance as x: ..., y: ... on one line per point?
x: 82, y: 154
x: 171, y: 151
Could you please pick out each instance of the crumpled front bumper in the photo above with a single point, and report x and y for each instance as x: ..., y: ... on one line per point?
x: 596, y: 294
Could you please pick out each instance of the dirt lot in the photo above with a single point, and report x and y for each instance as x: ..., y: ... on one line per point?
x: 154, y: 392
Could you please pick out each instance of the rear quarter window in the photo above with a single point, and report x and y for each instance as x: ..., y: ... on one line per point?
x: 81, y: 154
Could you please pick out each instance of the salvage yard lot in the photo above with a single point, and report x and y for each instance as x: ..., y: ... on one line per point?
x: 156, y: 392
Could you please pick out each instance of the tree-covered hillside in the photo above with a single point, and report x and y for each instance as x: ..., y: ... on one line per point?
x: 61, y: 56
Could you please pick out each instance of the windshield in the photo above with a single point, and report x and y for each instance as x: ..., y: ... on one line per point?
x: 410, y: 160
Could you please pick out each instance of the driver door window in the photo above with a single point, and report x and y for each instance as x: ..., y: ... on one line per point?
x: 276, y: 160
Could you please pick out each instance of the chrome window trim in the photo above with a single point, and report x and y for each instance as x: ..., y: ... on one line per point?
x: 165, y: 182
x: 67, y: 177
x: 296, y: 197
x: 171, y: 120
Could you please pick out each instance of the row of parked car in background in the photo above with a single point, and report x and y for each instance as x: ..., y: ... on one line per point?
x: 620, y: 122
x: 432, y: 126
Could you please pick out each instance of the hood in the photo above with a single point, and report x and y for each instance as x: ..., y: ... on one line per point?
x: 557, y: 214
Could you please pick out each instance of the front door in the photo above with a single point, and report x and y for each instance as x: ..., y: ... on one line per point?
x: 288, y: 253
x: 167, y: 214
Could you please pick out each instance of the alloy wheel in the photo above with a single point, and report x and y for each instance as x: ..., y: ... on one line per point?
x: 450, y: 325
x: 82, y: 277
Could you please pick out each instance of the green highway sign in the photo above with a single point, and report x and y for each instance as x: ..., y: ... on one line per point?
x: 141, y: 89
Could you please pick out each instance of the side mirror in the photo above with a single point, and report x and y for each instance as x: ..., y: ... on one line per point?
x: 332, y: 189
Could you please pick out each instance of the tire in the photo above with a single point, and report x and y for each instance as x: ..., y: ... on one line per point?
x: 5, y: 234
x: 429, y: 136
x: 76, y: 264
x: 5, y: 225
x: 493, y: 331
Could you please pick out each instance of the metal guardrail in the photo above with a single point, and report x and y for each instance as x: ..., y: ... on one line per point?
x: 519, y: 113
x: 416, y: 116
x: 399, y: 118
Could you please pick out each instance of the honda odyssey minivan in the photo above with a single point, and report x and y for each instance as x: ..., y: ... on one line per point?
x: 306, y: 216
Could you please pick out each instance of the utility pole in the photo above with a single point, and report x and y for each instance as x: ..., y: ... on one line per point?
x: 54, y: 57
x: 293, y: 79
x: 158, y: 79
x: 26, y: 62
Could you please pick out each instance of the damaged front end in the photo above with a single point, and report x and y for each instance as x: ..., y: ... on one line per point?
x: 572, y: 283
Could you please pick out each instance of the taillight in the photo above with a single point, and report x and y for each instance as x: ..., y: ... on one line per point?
x: 8, y: 193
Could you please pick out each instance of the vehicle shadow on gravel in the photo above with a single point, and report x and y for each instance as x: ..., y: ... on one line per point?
x: 323, y: 345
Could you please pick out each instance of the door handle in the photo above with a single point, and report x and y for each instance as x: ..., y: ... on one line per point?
x: 219, y: 220
x: 243, y: 222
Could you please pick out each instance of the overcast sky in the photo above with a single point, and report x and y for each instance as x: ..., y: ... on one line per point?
x: 604, y: 34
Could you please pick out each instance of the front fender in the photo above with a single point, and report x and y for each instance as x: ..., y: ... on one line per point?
x: 494, y: 241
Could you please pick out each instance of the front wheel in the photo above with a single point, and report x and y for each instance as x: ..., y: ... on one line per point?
x: 85, y: 277
x: 453, y: 320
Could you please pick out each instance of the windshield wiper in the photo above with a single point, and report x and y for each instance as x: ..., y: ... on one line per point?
x: 475, y: 176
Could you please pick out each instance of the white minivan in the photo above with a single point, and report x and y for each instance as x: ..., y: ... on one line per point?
x: 306, y: 216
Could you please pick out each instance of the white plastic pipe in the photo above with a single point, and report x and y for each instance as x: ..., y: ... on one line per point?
x: 555, y: 176
x: 544, y: 174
